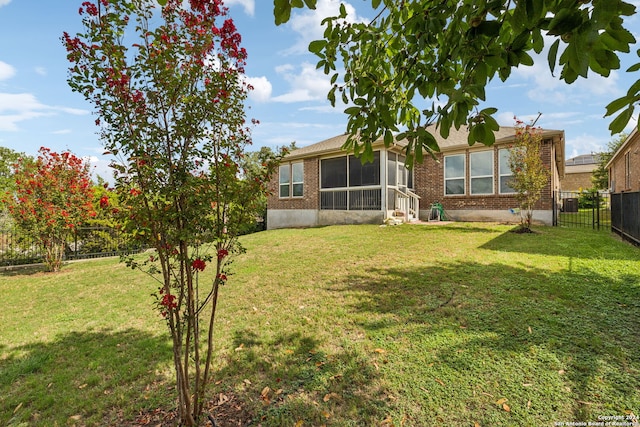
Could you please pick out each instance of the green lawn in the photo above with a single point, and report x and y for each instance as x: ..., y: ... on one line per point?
x: 417, y: 325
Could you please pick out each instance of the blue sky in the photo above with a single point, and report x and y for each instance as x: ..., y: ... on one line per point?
x: 37, y: 108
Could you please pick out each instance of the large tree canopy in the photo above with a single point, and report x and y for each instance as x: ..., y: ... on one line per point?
x: 446, y: 52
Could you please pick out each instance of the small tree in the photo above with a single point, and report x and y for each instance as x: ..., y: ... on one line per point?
x: 52, y: 196
x: 600, y: 177
x: 169, y: 92
x: 530, y: 175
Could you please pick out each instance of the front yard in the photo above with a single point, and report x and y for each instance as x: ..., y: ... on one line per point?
x: 464, y: 324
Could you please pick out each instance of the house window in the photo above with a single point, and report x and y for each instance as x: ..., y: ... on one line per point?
x: 481, y: 172
x: 627, y: 170
x: 454, y: 174
x: 347, y: 184
x: 291, y: 180
x: 504, y: 171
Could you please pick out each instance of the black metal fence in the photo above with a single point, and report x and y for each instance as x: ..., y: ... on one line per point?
x: 85, y: 242
x: 582, y: 210
x: 625, y: 215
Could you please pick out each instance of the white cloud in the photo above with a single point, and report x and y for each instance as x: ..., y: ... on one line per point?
x: 25, y: 106
x: 308, y: 23
x: 4, y: 2
x: 584, y: 143
x: 248, y: 5
x: 6, y: 70
x: 549, y: 88
x: 61, y: 132
x: 261, y: 88
x: 307, y: 85
x: 41, y: 70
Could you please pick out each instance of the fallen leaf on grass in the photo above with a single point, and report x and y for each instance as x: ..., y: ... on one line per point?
x: 506, y: 407
x: 439, y: 381
x: 476, y: 425
x: 501, y: 401
x: 387, y: 421
x: 330, y: 396
x: 299, y: 423
x: 240, y: 348
x: 530, y: 330
x: 527, y: 385
x: 561, y: 372
x: 17, y: 408
x: 380, y: 350
x: 82, y: 386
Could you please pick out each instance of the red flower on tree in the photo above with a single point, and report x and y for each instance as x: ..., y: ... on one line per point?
x: 198, y: 264
x: 222, y: 253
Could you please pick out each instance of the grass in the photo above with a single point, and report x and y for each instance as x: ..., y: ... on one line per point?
x: 348, y: 326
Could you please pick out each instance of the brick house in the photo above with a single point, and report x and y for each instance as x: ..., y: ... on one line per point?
x: 624, y: 166
x: 578, y: 172
x: 322, y: 185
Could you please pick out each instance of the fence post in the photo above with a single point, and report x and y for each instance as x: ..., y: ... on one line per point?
x: 598, y: 208
x: 554, y: 207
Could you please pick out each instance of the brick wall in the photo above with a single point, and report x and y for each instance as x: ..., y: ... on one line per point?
x: 576, y: 181
x: 617, y: 169
x: 310, y: 198
x: 429, y: 183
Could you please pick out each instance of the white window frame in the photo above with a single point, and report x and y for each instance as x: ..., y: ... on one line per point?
x: 290, y: 182
x: 463, y: 176
x: 472, y: 177
x: 501, y: 172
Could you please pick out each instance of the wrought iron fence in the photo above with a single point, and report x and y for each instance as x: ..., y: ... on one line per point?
x: 625, y: 215
x: 86, y: 242
x: 582, y: 210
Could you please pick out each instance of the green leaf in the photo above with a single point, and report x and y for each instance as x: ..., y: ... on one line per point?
x: 616, y: 105
x: 311, y: 4
x: 281, y: 11
x: 634, y: 67
x: 317, y: 46
x: 388, y: 138
x: 375, y: 3
x: 162, y: 2
x: 352, y: 111
x: 553, y: 55
x: 619, y: 123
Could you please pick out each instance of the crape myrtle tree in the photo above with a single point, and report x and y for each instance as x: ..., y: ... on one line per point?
x: 52, y: 196
x: 444, y: 53
x: 167, y: 86
x: 529, y: 173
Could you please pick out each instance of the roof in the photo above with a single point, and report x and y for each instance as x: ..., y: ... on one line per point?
x: 457, y: 139
x: 588, y: 168
x: 584, y: 159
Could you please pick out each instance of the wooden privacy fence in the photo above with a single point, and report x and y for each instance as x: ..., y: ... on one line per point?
x: 85, y: 242
x: 625, y: 215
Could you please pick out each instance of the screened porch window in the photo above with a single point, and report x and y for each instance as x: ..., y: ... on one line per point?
x: 454, y: 174
x: 347, y: 184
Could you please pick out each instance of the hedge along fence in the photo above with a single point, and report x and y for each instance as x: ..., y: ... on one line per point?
x: 85, y: 242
